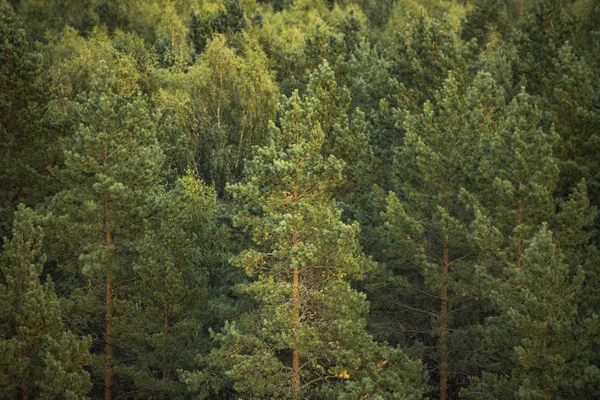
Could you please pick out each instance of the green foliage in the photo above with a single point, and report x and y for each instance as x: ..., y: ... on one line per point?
x: 545, y: 30
x: 426, y: 277
x: 486, y: 16
x: 171, y: 284
x: 520, y: 267
x: 346, y: 136
x: 40, y: 357
x: 519, y: 173
x: 71, y: 62
x: 23, y: 141
x: 228, y: 21
x: 419, y: 56
x: 207, y: 241
x: 277, y: 5
x: 575, y: 116
x: 232, y: 98
x: 43, y: 16
x: 153, y: 20
x: 307, y: 333
x: 538, y: 336
x: 378, y: 12
x: 111, y: 182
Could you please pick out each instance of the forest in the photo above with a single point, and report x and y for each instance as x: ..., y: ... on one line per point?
x: 299, y: 199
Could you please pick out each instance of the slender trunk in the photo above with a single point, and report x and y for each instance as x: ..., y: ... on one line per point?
x: 108, y: 372
x: 27, y: 351
x: 296, y: 299
x: 296, y: 352
x: 444, y: 326
x: 165, y: 359
x: 108, y: 334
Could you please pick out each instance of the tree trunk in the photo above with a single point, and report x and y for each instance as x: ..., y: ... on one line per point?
x: 108, y: 334
x: 444, y: 326
x: 296, y: 299
x: 165, y: 372
x: 108, y: 372
x: 296, y: 352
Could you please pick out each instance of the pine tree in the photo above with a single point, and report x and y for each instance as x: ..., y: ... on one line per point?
x: 200, y: 32
x: 40, y: 357
x: 346, y: 135
x: 519, y: 174
x: 111, y: 182
x: 228, y: 21
x: 52, y: 16
x: 521, y: 266
x: 485, y: 17
x: 421, y: 54
x: 425, y: 281
x: 306, y: 335
x: 171, y: 290
x: 541, y: 345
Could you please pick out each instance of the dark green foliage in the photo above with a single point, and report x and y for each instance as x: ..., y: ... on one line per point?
x: 40, y: 358
x: 228, y: 21
x: 574, y: 113
x: 278, y: 5
x: 538, y: 335
x: 345, y: 136
x: 256, y: 19
x: 351, y: 28
x: 200, y: 31
x: 321, y: 44
x: 231, y: 19
x: 54, y: 15
x: 172, y: 282
x: 378, y: 11
x: 486, y: 16
x: 541, y: 340
x: 419, y: 57
x: 547, y: 27
x: 23, y: 141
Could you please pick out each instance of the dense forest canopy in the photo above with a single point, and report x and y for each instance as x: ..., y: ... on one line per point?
x: 299, y: 199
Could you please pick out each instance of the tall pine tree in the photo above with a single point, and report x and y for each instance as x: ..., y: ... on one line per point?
x: 533, y: 339
x: 422, y: 290
x: 111, y: 182
x: 306, y: 335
